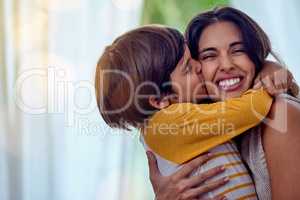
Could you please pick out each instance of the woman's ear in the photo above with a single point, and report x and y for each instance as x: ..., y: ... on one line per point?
x: 159, y: 103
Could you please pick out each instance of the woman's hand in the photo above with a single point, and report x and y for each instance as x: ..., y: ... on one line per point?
x: 276, y: 80
x: 179, y: 186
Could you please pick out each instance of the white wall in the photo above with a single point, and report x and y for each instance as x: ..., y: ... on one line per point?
x: 281, y: 21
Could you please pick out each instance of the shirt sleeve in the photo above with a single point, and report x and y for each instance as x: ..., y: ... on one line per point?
x: 185, y: 130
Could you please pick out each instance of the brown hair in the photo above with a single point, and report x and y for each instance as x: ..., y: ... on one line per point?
x: 256, y: 41
x: 144, y: 55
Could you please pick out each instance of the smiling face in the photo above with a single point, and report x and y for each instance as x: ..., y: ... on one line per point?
x: 226, y: 67
x: 187, y: 81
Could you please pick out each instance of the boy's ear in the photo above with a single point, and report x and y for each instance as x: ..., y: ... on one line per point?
x: 159, y: 103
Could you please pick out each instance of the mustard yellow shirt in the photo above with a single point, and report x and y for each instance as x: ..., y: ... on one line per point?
x: 182, y: 131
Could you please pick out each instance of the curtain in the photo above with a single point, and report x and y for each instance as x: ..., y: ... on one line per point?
x: 53, y: 143
x: 280, y: 20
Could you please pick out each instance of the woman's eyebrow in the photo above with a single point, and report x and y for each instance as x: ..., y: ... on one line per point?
x: 207, y: 49
x: 236, y: 43
x: 214, y: 49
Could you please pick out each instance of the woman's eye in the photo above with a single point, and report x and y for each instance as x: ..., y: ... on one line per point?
x: 207, y: 57
x: 238, y: 51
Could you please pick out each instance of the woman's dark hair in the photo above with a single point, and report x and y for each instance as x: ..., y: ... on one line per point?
x: 147, y: 54
x: 256, y: 41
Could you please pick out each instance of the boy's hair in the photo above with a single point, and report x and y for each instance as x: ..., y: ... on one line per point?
x: 256, y: 41
x: 136, y: 65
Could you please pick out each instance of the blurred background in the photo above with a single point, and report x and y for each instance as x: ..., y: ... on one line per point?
x: 53, y: 142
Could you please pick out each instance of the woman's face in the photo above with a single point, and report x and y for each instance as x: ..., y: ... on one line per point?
x: 226, y: 68
x: 187, y: 80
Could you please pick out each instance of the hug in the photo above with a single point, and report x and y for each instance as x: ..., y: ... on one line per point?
x: 217, y: 119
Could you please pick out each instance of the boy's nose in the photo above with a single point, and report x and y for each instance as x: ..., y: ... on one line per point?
x: 198, y: 67
x: 199, y: 70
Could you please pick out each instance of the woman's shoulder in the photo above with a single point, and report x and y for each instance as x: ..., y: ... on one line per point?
x: 285, y: 105
x: 287, y: 97
x: 284, y: 114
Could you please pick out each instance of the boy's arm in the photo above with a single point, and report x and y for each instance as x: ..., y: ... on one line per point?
x: 186, y: 130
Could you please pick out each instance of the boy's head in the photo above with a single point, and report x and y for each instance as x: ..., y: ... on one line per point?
x: 138, y: 73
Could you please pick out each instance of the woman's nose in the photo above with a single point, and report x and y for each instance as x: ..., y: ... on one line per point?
x: 225, y: 63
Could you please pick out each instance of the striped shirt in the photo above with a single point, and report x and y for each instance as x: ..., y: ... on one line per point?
x: 240, y: 185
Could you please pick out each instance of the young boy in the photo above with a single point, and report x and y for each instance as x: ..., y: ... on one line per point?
x: 135, y: 87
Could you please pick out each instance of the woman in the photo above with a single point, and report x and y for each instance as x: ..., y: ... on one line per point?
x: 171, y: 63
x: 229, y: 65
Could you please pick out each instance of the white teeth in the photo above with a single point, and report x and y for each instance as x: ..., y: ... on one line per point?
x: 229, y: 82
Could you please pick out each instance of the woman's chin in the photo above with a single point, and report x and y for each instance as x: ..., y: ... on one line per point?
x: 223, y: 95
x: 232, y: 94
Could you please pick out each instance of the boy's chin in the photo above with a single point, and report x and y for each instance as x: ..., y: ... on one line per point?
x: 202, y: 99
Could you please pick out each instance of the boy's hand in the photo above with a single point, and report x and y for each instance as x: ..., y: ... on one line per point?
x: 276, y: 80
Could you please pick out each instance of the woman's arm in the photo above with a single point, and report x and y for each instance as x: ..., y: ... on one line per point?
x: 281, y: 142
